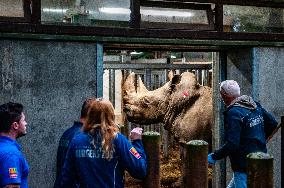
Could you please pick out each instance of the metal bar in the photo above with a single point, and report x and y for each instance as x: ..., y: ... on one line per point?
x: 12, y: 19
x: 223, y: 76
x: 180, y: 45
x: 275, y: 130
x: 210, y: 18
x: 135, y: 17
x: 256, y: 3
x: 175, y: 5
x: 130, y: 32
x: 36, y: 11
x: 145, y: 47
x: 112, y: 86
x: 27, y: 9
x: 99, y: 70
x: 219, y: 17
x: 155, y: 66
x: 185, y: 26
x: 148, y: 73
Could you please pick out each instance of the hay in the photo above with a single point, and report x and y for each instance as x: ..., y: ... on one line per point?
x: 169, y: 169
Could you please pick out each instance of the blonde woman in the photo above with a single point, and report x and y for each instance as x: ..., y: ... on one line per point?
x: 99, y: 156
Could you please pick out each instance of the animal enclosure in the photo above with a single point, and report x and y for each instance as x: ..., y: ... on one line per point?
x: 154, y: 73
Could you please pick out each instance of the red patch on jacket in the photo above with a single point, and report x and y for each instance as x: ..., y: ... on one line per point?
x: 135, y: 153
x: 13, y: 172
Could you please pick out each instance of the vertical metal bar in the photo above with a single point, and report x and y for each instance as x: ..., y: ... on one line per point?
x: 148, y: 78
x: 36, y: 11
x: 206, y: 77
x: 156, y: 81
x: 255, y: 76
x: 135, y: 16
x: 27, y: 9
x: 219, y: 17
x: 223, y: 58
x: 219, y: 66
x: 112, y: 86
x: 99, y: 70
x: 165, y: 136
x: 200, y: 76
x: 210, y: 17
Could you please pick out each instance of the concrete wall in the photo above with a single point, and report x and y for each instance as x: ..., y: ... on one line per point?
x: 260, y: 73
x: 51, y: 79
x: 268, y: 89
x: 239, y: 68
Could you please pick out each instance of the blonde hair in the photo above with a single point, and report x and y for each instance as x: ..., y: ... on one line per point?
x: 101, y: 116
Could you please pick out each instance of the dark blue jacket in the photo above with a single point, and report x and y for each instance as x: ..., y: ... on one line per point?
x: 247, y: 126
x: 64, y: 142
x: 14, y: 168
x: 89, y: 166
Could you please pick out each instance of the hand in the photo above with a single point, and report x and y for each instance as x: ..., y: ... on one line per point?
x: 210, y: 159
x: 136, y: 133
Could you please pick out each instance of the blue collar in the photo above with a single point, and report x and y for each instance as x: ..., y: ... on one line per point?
x: 78, y: 124
x: 10, y: 140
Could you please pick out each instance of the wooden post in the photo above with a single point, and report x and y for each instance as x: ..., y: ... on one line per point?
x: 196, y: 164
x: 151, y: 143
x: 260, y: 170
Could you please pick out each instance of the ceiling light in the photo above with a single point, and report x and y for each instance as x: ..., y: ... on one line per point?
x: 115, y: 10
x: 56, y: 10
x: 136, y: 53
x: 165, y: 12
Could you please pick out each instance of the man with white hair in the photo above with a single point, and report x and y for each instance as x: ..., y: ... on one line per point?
x: 247, y: 126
